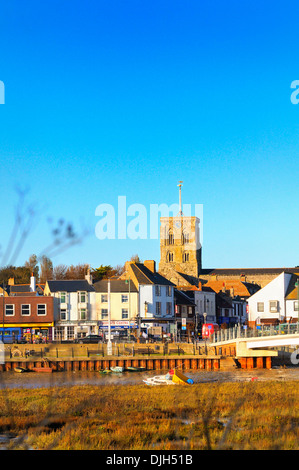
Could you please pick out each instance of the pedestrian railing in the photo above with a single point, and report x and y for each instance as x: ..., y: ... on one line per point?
x: 241, y: 331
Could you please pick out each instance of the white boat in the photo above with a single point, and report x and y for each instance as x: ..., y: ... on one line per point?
x: 159, y: 380
x: 117, y: 369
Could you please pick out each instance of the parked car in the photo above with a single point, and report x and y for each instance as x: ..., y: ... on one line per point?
x: 89, y: 339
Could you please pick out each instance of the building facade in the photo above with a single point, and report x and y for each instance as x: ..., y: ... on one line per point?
x: 74, y: 308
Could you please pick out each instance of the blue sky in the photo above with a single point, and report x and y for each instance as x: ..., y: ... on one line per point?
x: 107, y: 99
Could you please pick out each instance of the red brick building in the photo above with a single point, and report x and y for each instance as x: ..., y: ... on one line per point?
x: 29, y: 316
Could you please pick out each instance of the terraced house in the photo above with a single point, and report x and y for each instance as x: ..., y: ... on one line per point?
x: 74, y: 308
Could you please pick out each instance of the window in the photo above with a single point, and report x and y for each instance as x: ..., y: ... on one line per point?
x: 158, y: 308
x: 9, y: 309
x: 104, y: 298
x: 82, y: 297
x: 168, y: 291
x: 296, y: 306
x: 62, y: 296
x: 82, y: 313
x: 63, y: 314
x: 158, y: 291
x: 170, y: 257
x: 185, y: 238
x: 170, y: 239
x: 124, y: 298
x: 70, y: 332
x: 25, y: 309
x: 59, y: 333
x: 260, y: 306
x: 41, y: 309
x: 168, y: 308
x: 185, y: 257
x: 124, y: 313
x: 273, y: 306
x: 104, y: 314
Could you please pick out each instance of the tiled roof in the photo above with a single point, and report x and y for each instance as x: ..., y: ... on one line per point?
x: 116, y: 285
x: 243, y: 289
x: 70, y: 286
x: 146, y: 276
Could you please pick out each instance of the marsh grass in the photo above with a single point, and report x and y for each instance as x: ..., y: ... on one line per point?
x: 202, y: 416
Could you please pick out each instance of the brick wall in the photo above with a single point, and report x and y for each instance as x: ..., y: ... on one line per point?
x: 17, y: 317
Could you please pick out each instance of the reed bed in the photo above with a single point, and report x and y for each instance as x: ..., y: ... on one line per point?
x: 249, y: 416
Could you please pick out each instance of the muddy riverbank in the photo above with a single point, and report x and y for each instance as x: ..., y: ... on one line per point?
x: 62, y: 379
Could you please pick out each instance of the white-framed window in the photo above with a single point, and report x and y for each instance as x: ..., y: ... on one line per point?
x: 104, y: 314
x: 158, y: 308
x: 124, y: 298
x: 59, y: 333
x: 82, y: 296
x: 41, y: 309
x: 63, y: 314
x: 104, y: 298
x: 70, y: 332
x: 63, y: 297
x: 158, y: 291
x: 296, y: 306
x: 273, y: 306
x: 9, y: 310
x: 124, y: 313
x: 260, y: 306
x: 25, y: 309
x: 82, y: 313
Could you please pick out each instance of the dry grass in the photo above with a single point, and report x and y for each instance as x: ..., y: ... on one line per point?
x: 202, y: 416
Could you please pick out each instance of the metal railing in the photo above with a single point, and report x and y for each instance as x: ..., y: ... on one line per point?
x: 239, y: 331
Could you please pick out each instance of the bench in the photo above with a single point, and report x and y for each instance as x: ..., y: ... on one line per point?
x: 144, y: 351
x: 177, y: 350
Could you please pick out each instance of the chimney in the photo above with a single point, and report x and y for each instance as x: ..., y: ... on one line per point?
x: 88, y: 276
x: 151, y: 265
x: 32, y: 283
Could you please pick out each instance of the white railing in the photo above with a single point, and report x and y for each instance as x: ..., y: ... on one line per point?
x: 239, y: 331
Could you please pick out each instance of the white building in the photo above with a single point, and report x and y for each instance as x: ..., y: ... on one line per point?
x: 205, y: 301
x: 74, y: 308
x: 156, y: 296
x: 274, y: 303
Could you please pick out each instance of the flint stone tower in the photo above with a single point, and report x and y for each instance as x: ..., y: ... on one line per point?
x: 180, y: 248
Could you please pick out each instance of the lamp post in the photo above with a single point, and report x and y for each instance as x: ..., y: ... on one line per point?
x: 109, y: 343
x: 205, y: 320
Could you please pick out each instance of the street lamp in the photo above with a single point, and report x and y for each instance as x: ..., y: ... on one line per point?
x: 109, y: 343
x: 205, y: 320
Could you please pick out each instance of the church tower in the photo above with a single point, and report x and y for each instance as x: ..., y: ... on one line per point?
x: 180, y: 248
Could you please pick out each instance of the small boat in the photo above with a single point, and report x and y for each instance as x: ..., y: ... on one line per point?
x: 159, y: 380
x: 105, y: 371
x: 20, y: 369
x: 117, y: 369
x: 135, y: 369
x: 42, y: 369
x: 180, y: 378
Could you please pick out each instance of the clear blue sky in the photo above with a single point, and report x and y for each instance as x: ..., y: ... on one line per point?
x: 112, y: 98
